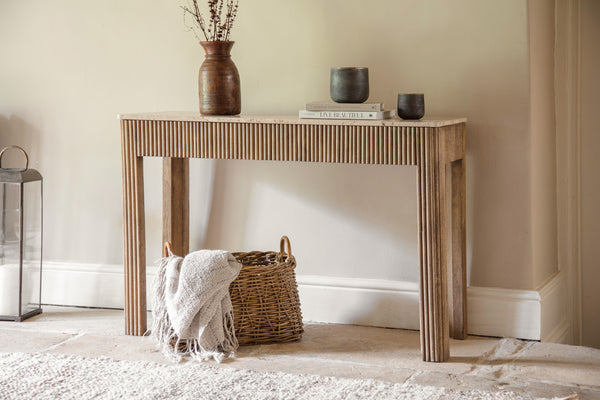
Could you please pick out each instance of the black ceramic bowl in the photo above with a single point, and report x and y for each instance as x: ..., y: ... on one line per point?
x: 411, y: 106
x: 349, y: 84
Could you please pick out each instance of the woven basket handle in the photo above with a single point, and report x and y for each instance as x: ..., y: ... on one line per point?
x: 285, y: 241
x: 167, y: 250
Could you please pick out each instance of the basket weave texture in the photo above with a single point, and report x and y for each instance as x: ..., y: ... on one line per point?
x: 266, y: 306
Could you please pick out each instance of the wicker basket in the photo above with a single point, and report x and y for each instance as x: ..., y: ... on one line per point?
x: 266, y: 306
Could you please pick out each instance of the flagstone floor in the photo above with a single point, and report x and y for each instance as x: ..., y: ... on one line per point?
x: 541, y: 369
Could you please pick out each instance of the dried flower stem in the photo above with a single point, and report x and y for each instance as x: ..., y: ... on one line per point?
x: 216, y: 29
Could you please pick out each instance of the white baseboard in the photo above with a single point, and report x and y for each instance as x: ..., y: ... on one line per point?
x: 353, y: 301
x: 503, y: 312
x: 85, y: 285
x: 525, y: 314
x: 491, y: 311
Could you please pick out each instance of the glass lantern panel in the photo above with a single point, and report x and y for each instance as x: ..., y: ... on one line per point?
x: 10, y: 248
x: 32, y: 246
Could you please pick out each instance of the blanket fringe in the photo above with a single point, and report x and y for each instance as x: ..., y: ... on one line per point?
x: 168, y: 342
x: 222, y: 352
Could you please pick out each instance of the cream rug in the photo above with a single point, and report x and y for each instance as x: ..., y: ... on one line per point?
x: 49, y: 376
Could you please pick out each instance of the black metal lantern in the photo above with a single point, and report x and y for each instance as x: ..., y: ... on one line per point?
x: 20, y: 241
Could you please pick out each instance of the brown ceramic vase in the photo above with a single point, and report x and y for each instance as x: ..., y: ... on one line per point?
x: 219, y: 81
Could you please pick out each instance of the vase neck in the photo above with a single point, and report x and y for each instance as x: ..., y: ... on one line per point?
x: 217, y: 47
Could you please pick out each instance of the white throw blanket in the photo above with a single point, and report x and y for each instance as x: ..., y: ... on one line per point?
x: 191, y: 302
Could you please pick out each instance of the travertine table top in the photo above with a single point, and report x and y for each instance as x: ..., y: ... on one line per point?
x: 286, y: 119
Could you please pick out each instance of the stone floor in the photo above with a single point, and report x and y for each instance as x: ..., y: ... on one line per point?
x: 539, y: 369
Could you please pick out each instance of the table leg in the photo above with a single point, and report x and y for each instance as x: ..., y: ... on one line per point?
x: 134, y: 240
x: 433, y: 304
x: 176, y: 204
x: 458, y: 267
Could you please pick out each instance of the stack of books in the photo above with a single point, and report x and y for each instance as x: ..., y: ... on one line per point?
x: 330, y: 110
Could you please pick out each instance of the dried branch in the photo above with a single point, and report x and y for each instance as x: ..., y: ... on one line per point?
x: 197, y: 17
x: 232, y: 9
x: 217, y: 28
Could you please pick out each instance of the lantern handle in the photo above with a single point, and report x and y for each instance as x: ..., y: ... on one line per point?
x: 15, y: 147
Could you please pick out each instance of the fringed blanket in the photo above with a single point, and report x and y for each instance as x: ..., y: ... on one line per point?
x: 191, y: 302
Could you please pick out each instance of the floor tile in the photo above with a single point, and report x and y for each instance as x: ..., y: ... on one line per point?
x: 489, y: 364
x: 12, y: 340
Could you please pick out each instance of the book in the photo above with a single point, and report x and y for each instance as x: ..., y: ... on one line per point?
x: 386, y: 114
x: 330, y: 106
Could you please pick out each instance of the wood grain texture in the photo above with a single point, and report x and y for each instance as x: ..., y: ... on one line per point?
x: 134, y: 233
x: 454, y: 226
x: 282, y: 142
x: 458, y: 262
x: 176, y: 204
x: 429, y: 146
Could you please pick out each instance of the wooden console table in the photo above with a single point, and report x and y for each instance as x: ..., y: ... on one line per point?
x: 435, y: 147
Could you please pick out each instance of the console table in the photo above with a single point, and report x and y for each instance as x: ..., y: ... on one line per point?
x: 435, y: 147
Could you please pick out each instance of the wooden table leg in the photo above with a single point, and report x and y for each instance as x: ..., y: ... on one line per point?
x: 458, y: 267
x: 134, y: 239
x: 433, y: 304
x: 176, y: 204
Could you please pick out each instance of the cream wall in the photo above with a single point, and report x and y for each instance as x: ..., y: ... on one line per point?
x: 69, y: 67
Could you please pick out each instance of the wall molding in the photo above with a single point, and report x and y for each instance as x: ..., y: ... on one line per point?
x: 554, y: 301
x: 567, y: 90
x: 525, y: 314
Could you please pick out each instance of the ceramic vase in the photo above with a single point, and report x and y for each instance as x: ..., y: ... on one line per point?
x: 219, y: 80
x: 349, y: 84
x: 411, y: 105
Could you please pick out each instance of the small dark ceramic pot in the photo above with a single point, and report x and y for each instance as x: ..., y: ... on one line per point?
x: 349, y: 84
x: 411, y: 106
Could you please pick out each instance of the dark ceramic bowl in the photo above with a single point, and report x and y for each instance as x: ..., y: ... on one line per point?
x: 411, y: 106
x: 349, y: 84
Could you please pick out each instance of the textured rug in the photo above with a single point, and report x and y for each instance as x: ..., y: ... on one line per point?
x: 49, y: 376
